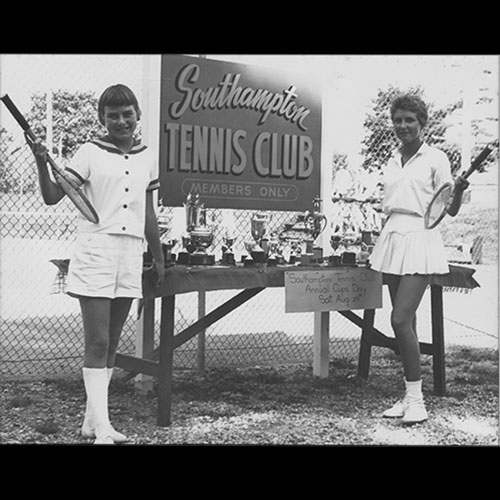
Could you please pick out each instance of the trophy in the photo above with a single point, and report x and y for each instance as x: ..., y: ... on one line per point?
x: 350, y: 240
x: 275, y: 255
x: 335, y: 241
x: 228, y: 238
x: 258, y: 226
x: 346, y: 235
x: 164, y: 229
x: 200, y: 235
x: 184, y: 256
x: 295, y: 250
x: 187, y: 244
x: 315, y: 223
x: 227, y: 249
x: 371, y: 228
x: 247, y: 259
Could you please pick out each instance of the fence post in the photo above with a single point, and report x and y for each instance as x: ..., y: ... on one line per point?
x: 144, y: 339
x: 50, y: 120
x: 468, y: 104
x: 200, y: 353
x: 1, y: 218
x: 151, y: 79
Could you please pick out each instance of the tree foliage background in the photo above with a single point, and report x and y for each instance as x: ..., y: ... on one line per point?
x: 74, y: 119
x: 380, y: 139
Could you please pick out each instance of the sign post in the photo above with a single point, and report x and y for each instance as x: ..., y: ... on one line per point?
x: 322, y: 291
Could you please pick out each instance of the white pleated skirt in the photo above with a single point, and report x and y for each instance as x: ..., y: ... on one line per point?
x: 405, y: 246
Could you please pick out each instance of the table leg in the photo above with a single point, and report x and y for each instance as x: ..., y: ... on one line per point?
x: 438, y: 358
x: 365, y: 346
x: 166, y: 355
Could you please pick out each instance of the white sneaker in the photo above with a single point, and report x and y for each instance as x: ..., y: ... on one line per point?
x: 397, y: 410
x: 104, y: 440
x: 88, y: 432
x: 104, y: 435
x: 415, y: 412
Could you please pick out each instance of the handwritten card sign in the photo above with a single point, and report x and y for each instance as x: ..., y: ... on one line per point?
x: 332, y: 290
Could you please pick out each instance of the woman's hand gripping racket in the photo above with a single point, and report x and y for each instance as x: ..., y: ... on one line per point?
x: 66, y: 183
x: 443, y: 198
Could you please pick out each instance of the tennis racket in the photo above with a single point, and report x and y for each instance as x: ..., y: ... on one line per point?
x: 66, y: 183
x: 441, y: 200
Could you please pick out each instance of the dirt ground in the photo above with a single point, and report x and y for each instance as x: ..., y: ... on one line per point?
x: 281, y: 405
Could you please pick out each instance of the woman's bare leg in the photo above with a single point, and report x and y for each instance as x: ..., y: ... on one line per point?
x: 96, y: 312
x: 406, y: 300
x: 120, y: 309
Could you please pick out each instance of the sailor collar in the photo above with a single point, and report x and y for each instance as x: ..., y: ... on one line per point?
x: 106, y: 144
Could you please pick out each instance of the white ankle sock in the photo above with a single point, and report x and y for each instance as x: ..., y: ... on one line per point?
x: 96, y: 386
x: 88, y: 421
x: 414, y: 389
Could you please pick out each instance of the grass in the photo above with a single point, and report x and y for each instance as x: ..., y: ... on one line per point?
x: 48, y: 426
x: 20, y: 401
x: 263, y: 405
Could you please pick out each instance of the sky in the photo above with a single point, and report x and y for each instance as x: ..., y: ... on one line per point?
x: 348, y: 83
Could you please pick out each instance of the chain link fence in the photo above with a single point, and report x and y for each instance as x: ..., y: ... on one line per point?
x: 41, y: 331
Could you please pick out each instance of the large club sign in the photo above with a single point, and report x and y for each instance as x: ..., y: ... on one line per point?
x: 241, y: 136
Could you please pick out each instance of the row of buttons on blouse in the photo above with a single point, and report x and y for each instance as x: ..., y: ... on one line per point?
x: 126, y: 190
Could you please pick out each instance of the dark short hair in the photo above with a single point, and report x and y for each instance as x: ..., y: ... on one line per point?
x: 413, y: 103
x: 117, y: 95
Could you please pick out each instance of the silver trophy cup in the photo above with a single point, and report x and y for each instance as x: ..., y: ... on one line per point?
x: 258, y: 227
x: 201, y: 235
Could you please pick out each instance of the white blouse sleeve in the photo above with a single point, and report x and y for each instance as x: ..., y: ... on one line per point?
x: 79, y: 166
x: 154, y: 177
x: 441, y: 171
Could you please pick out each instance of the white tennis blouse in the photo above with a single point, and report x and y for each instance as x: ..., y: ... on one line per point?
x: 116, y: 185
x: 409, y: 189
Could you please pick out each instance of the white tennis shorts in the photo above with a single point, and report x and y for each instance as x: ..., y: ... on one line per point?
x: 106, y: 265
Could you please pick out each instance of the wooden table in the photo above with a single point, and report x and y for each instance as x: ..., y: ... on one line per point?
x: 251, y: 281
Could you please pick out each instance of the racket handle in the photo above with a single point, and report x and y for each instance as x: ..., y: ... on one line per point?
x: 477, y: 161
x: 24, y: 124
x: 17, y: 115
x: 54, y: 165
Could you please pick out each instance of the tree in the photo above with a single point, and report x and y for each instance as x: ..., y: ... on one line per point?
x: 380, y: 140
x: 74, y: 119
x: 7, y: 180
x: 485, y: 122
x: 339, y: 160
x: 17, y: 173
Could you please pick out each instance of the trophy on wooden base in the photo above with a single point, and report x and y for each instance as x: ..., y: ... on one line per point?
x: 200, y: 235
x: 315, y: 223
x: 165, y: 232
x: 275, y: 255
x: 227, y: 250
x: 228, y: 238
x: 258, y: 228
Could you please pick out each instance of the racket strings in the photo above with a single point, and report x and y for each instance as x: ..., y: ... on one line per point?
x: 439, y: 205
x: 78, y: 199
x: 70, y: 188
